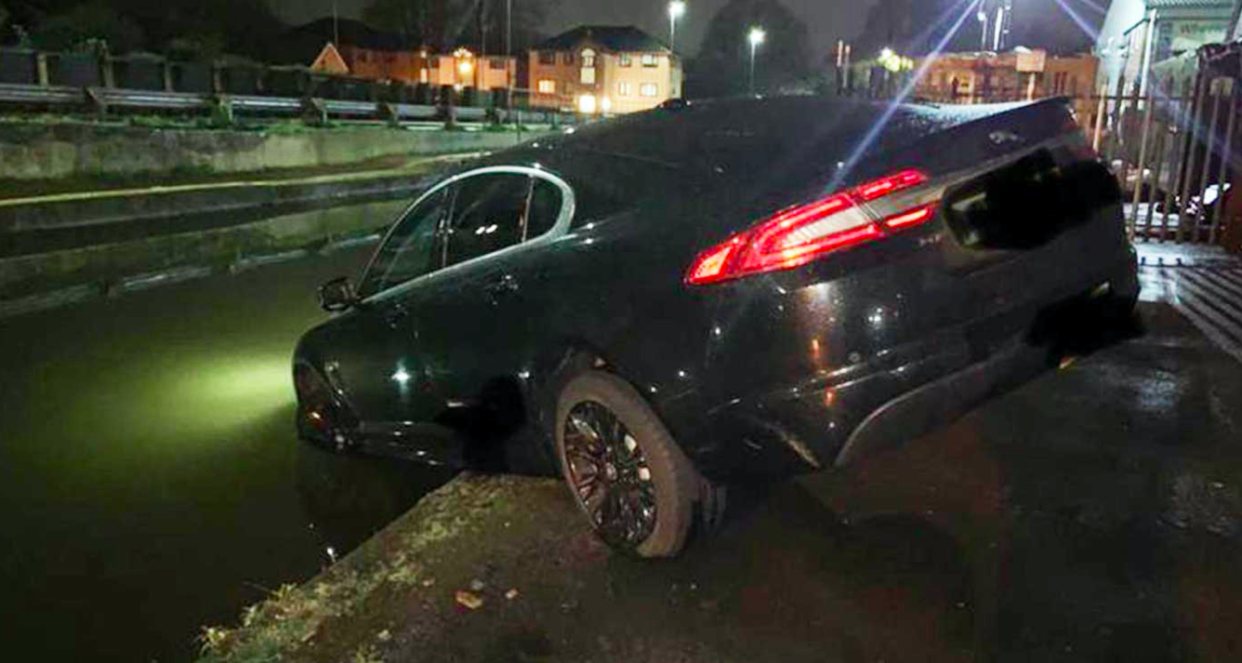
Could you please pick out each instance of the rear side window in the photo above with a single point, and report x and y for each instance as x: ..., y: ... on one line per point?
x: 545, y: 208
x: 411, y: 250
x: 489, y: 216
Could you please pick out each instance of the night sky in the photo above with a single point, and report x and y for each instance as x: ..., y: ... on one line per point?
x: 827, y: 20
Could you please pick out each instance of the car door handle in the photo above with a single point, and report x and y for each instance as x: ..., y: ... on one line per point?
x: 501, y: 287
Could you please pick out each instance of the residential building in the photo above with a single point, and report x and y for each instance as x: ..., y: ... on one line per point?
x: 352, y: 48
x: 462, y: 68
x: 1022, y: 74
x: 604, y: 69
x: 1139, y: 36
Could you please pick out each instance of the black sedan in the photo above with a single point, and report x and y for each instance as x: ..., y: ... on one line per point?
x: 660, y: 305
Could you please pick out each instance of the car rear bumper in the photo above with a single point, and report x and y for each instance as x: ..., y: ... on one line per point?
x: 834, y: 420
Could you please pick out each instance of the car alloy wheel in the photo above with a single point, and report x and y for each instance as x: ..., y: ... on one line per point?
x: 609, y: 475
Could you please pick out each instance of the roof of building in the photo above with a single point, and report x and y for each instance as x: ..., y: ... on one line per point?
x: 302, y: 44
x: 613, y: 37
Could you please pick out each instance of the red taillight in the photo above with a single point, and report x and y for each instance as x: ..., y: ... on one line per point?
x: 892, y: 184
x: 912, y: 218
x: 801, y: 234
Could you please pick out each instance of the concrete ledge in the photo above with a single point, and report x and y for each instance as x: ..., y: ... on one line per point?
x: 34, y: 151
x: 36, y: 281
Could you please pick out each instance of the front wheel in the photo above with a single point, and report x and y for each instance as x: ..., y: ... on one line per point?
x: 636, y: 487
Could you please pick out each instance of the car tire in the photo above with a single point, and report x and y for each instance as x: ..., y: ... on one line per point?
x: 677, y: 488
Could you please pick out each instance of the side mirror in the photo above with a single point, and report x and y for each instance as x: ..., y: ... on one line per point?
x: 337, y: 295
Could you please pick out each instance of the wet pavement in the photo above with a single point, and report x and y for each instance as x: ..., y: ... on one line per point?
x: 150, y: 479
x: 1092, y: 515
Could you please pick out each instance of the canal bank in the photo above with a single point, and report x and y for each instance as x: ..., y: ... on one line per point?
x: 1095, y: 514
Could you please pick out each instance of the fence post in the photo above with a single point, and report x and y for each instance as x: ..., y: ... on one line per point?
x: 388, y: 112
x: 1201, y: 214
x: 1158, y: 161
x: 1226, y: 156
x: 41, y: 69
x: 1180, y: 112
x: 1142, y: 166
x: 1114, y: 136
x: 1099, y: 118
x: 1188, y: 168
x: 107, y: 71
x: 217, y: 78
x: 166, y: 68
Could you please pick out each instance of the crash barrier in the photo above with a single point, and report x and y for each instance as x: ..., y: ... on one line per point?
x: 87, y: 80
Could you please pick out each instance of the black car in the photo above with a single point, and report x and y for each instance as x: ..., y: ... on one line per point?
x: 663, y: 304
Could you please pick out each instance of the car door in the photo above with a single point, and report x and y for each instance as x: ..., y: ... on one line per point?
x: 476, y: 324
x: 380, y: 365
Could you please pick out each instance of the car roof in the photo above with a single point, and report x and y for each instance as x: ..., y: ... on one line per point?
x: 746, y: 141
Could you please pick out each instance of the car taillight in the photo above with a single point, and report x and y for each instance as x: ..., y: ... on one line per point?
x: 798, y: 235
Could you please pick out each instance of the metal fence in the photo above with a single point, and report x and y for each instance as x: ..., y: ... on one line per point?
x: 103, y: 83
x: 1173, y: 150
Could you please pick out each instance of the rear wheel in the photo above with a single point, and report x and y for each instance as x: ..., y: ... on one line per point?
x: 636, y: 487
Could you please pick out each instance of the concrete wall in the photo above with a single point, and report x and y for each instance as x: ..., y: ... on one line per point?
x: 33, y: 151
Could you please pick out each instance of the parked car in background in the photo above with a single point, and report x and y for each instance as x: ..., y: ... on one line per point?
x: 665, y: 304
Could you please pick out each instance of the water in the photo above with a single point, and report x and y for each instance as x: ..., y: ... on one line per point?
x: 150, y: 479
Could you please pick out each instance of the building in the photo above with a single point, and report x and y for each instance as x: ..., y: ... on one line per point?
x: 352, y: 48
x: 1139, y: 36
x: 1022, y: 74
x: 604, y: 69
x: 462, y: 68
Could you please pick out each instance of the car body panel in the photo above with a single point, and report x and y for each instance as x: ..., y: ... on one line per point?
x: 779, y: 372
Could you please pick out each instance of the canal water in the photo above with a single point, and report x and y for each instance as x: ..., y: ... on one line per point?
x: 150, y: 479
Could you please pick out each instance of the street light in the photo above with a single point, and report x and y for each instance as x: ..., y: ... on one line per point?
x: 756, y: 37
x: 983, y: 18
x: 676, y: 9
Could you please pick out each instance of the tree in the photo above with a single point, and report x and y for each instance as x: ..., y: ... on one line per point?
x: 723, y: 64
x: 444, y: 24
x: 88, y: 26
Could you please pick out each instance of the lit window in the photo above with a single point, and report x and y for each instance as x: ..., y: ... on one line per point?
x: 651, y: 60
x: 649, y: 90
x: 588, y: 76
x: 547, y: 86
x: 588, y: 59
x: 626, y: 60
x: 625, y: 89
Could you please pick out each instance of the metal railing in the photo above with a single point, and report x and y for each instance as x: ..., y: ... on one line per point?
x: 31, y: 79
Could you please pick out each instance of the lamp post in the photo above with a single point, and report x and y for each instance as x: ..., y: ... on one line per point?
x: 756, y: 37
x: 676, y: 9
x: 983, y: 18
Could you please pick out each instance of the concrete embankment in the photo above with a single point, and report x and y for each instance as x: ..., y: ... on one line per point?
x: 65, y: 247
x: 47, y: 279
x: 34, y: 151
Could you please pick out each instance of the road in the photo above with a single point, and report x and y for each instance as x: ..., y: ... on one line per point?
x: 150, y: 479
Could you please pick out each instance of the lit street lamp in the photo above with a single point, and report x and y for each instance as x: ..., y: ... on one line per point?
x: 676, y: 9
x: 983, y: 18
x: 757, y: 37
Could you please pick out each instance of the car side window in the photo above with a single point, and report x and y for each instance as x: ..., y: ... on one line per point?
x: 489, y: 215
x: 546, y: 200
x: 411, y: 250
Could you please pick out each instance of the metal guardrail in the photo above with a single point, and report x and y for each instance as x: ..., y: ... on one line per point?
x: 371, y: 110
